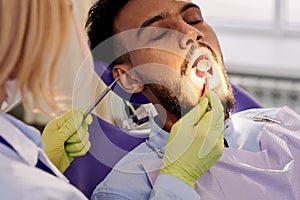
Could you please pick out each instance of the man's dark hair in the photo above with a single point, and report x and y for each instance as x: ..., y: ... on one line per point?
x: 100, y: 20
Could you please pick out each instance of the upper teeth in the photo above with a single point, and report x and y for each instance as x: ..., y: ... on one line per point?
x: 203, y: 65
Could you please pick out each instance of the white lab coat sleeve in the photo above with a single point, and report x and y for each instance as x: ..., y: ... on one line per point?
x: 21, y: 181
x: 169, y: 187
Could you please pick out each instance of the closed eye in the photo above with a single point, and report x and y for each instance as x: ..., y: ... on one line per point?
x: 194, y: 22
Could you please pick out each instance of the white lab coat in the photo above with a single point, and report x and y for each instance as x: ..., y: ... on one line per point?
x: 20, y: 178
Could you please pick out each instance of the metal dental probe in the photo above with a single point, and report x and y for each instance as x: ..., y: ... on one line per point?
x: 100, y: 97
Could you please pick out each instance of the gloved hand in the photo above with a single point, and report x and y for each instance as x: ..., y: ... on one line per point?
x: 66, y: 137
x: 196, y: 141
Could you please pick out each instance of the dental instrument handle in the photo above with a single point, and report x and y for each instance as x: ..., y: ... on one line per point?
x: 100, y: 97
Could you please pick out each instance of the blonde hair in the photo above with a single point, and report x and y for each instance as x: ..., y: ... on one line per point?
x: 32, y: 36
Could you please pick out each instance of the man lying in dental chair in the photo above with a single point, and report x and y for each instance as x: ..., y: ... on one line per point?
x: 167, y: 51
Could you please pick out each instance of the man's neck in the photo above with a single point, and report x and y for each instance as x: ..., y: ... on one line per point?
x: 167, y: 119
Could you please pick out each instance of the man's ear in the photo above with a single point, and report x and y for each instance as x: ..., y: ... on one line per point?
x: 128, y: 81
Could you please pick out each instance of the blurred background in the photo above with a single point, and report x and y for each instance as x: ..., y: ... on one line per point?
x: 261, y: 46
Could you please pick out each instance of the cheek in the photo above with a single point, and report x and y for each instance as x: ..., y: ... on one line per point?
x: 157, y: 62
x: 224, y: 90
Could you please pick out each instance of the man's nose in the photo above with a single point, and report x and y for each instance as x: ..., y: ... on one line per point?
x: 189, y: 36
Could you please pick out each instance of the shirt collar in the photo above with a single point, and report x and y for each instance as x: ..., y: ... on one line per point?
x: 24, y: 147
x: 158, y: 137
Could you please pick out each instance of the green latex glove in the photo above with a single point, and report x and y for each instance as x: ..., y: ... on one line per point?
x: 66, y: 137
x: 196, y: 141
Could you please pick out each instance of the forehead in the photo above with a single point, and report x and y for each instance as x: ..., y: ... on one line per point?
x: 135, y: 12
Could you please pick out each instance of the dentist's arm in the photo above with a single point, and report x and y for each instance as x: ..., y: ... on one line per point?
x: 66, y: 137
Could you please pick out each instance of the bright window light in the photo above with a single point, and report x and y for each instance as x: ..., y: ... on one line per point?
x: 243, y: 11
x: 292, y: 14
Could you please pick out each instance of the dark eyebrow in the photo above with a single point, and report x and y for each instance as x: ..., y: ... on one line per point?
x: 150, y: 21
x: 188, y: 6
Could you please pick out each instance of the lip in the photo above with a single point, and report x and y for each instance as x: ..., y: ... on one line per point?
x: 198, y: 59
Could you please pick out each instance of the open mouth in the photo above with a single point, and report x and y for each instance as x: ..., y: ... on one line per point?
x: 202, y: 71
x: 203, y: 67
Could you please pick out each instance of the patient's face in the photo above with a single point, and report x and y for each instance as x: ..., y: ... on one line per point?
x: 174, y: 52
